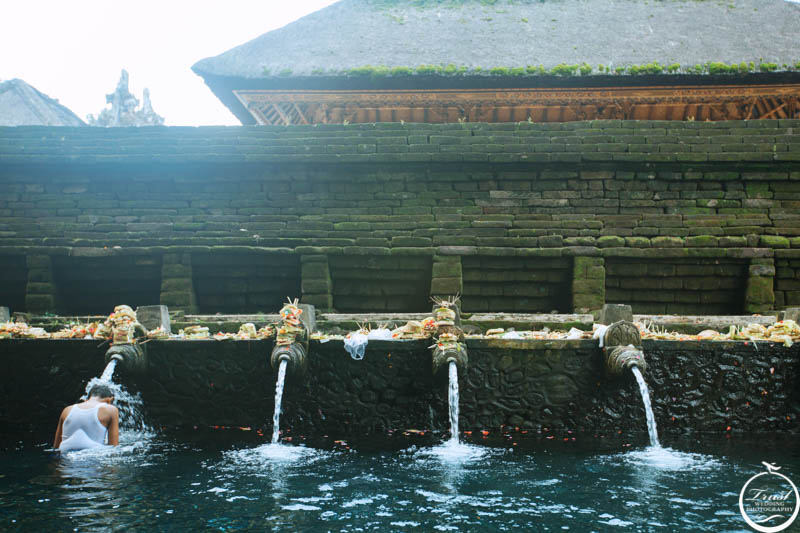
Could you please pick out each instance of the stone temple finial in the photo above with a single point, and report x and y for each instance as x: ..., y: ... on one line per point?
x: 124, y: 110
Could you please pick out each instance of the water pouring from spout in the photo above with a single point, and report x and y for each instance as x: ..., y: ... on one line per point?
x: 108, y: 373
x: 276, y: 417
x: 452, y: 397
x: 651, y: 421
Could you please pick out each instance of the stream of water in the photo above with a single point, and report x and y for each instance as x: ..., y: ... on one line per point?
x: 108, y: 373
x: 276, y: 416
x: 452, y: 396
x: 131, y: 406
x: 651, y: 420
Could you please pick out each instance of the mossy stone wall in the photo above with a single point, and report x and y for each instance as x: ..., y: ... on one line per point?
x: 581, y: 193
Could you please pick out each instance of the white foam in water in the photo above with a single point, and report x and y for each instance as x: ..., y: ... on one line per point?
x: 614, y: 521
x: 274, y: 454
x: 452, y: 451
x: 669, y: 459
x: 358, y: 501
x: 301, y: 507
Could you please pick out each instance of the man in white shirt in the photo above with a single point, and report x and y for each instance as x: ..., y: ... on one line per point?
x: 89, y: 424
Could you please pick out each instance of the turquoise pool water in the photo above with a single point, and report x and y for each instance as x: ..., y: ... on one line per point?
x: 229, y: 480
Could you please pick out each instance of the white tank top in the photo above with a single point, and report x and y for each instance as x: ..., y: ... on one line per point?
x: 82, y: 429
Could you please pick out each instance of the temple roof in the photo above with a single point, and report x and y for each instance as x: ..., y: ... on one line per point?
x: 486, y: 35
x: 23, y: 105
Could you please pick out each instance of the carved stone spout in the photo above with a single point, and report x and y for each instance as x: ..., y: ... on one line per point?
x: 446, y: 350
x: 132, y: 357
x: 622, y: 348
x: 291, y: 340
x: 295, y: 356
x: 448, y: 337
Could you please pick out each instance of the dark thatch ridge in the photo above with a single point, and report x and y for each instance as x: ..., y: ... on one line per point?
x: 23, y: 105
x: 488, y: 34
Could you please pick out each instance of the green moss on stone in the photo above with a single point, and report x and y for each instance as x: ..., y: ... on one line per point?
x: 610, y: 241
x: 759, y: 296
x: 637, y: 242
x: 702, y: 241
x: 666, y: 242
x: 450, y: 269
x: 774, y: 241
x: 446, y: 285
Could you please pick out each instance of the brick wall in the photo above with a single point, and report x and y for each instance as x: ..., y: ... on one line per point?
x: 244, y: 283
x: 678, y: 286
x: 787, y: 280
x: 516, y: 284
x: 95, y: 285
x: 13, y: 281
x: 381, y: 283
x: 579, y: 193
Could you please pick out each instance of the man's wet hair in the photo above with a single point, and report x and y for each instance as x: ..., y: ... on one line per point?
x: 101, y: 391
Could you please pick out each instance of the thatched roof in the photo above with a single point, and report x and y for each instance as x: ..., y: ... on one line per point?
x: 23, y: 105
x: 487, y: 34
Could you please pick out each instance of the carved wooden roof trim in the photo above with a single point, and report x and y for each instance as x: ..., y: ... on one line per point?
x: 730, y: 102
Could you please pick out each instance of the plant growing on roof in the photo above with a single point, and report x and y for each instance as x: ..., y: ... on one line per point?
x: 401, y: 71
x: 562, y: 69
x: 428, y: 69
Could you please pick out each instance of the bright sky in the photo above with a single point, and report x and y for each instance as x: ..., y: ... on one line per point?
x: 74, y: 51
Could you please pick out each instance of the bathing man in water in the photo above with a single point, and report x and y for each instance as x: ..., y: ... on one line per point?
x: 86, y: 424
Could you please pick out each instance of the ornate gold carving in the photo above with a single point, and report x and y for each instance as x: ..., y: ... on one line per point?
x: 730, y: 102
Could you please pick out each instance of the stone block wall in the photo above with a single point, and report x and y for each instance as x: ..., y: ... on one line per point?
x: 678, y: 286
x: 581, y: 194
x: 704, y: 386
x: 516, y: 284
x: 787, y: 278
x: 14, y: 280
x: 177, y: 282
x: 244, y: 283
x: 364, y: 283
x: 95, y: 285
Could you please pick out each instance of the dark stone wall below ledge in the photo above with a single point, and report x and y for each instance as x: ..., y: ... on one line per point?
x: 535, y: 385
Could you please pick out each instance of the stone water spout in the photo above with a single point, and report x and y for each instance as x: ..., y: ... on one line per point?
x: 448, y: 336
x: 125, y: 330
x: 291, y: 338
x: 622, y: 348
x: 131, y: 358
